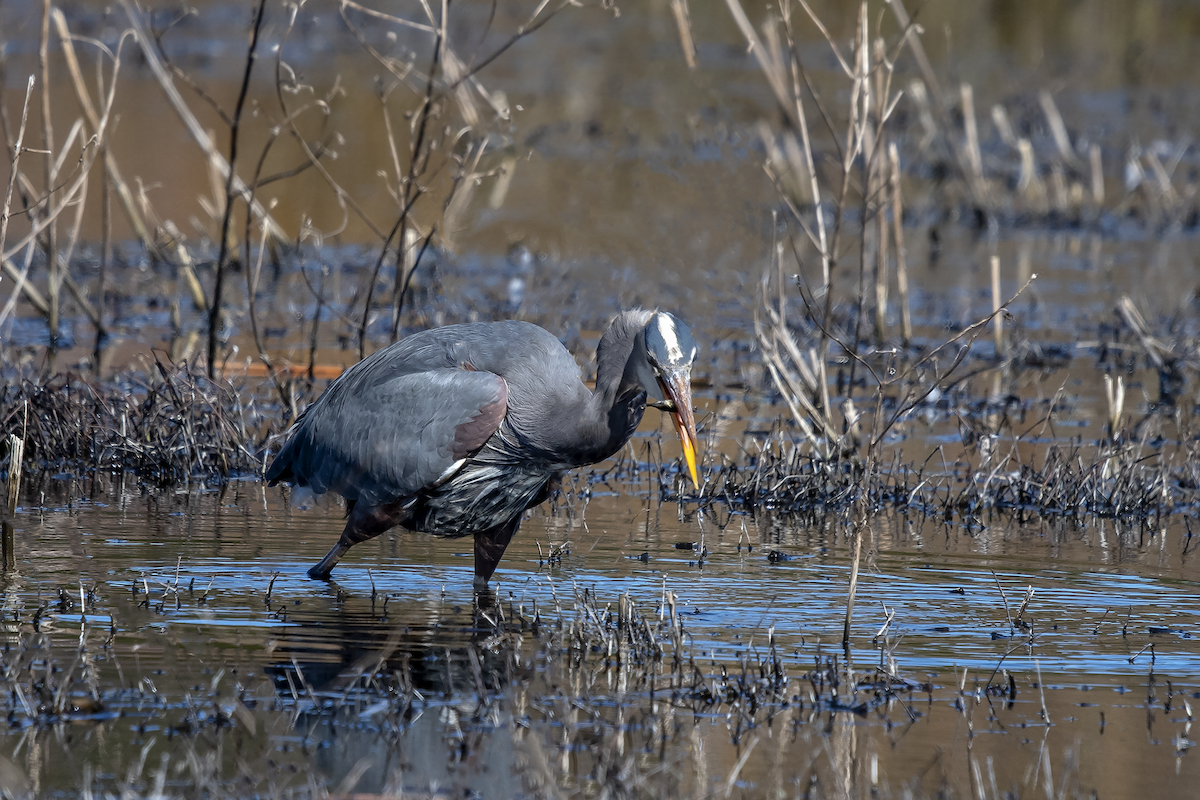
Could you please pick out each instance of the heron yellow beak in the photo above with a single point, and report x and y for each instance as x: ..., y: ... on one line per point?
x: 677, y: 389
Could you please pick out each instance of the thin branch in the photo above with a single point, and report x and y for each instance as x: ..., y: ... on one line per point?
x: 214, y: 314
x: 195, y: 129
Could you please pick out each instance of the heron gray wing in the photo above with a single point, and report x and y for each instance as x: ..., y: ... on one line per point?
x: 387, y: 440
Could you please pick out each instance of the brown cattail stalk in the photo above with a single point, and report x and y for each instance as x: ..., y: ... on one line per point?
x: 901, y: 255
x: 16, y: 450
x: 998, y: 321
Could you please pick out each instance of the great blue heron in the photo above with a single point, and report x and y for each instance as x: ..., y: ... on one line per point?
x: 458, y: 430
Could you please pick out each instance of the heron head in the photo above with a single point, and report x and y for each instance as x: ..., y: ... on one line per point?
x: 670, y: 351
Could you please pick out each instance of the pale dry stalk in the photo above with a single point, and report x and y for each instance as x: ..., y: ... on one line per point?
x: 998, y: 318
x: 18, y: 276
x: 1114, y: 393
x: 683, y: 21
x: 901, y: 253
x: 1097, y: 174
x: 1058, y: 128
x: 974, y: 156
x: 881, y: 180
x: 114, y: 177
x: 807, y: 152
x: 50, y: 177
x: 16, y: 452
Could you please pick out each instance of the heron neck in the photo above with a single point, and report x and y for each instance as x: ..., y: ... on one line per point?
x: 615, y: 355
x: 612, y: 417
x: 618, y: 402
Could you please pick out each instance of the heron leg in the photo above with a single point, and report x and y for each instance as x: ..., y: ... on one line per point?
x: 325, y: 566
x: 489, y: 547
x: 366, y: 522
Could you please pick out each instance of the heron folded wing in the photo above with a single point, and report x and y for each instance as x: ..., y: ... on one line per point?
x: 469, y: 436
x: 390, y: 439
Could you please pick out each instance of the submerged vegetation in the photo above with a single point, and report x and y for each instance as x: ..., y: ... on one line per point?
x: 565, y: 694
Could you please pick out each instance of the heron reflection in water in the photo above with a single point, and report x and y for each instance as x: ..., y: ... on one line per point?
x: 456, y: 431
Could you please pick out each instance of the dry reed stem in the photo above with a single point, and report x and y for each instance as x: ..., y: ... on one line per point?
x: 860, y: 527
x: 997, y: 317
x: 128, y: 204
x: 50, y: 179
x: 914, y: 44
x: 16, y: 451
x: 974, y: 157
x: 22, y: 283
x: 771, y: 69
x: 388, y: 17
x: 20, y: 276
x: 878, y: 183
x: 1058, y: 129
x: 1114, y: 393
x: 1004, y: 126
x: 1157, y: 352
x: 1097, y: 166
x: 806, y: 150
x: 185, y: 267
x: 252, y: 276
x: 105, y: 253
x: 194, y: 128
x: 901, y: 252
x: 683, y: 22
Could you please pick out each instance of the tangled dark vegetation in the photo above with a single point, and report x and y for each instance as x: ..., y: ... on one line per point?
x: 175, y: 426
x: 180, y: 428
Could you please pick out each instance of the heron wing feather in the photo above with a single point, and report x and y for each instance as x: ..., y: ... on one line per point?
x: 389, y: 439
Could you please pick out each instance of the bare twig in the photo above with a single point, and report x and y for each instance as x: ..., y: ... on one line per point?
x: 214, y: 312
x: 195, y: 129
x: 19, y: 277
x: 128, y: 204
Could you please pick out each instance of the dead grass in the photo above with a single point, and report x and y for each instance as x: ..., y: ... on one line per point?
x: 176, y: 427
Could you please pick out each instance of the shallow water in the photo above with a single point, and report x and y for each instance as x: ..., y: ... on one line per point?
x: 229, y: 600
x: 1102, y: 592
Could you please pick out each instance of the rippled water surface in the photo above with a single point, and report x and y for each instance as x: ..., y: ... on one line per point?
x: 1111, y: 639
x: 1101, y: 592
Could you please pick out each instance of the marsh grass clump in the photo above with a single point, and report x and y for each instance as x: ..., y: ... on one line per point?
x: 1133, y: 480
x: 179, y: 428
